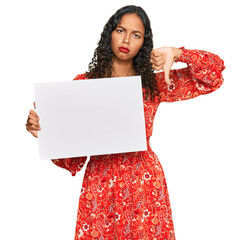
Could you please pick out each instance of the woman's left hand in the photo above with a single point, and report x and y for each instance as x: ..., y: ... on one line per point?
x: 163, y: 59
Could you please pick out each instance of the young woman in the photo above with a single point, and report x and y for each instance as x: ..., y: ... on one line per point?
x: 125, y: 195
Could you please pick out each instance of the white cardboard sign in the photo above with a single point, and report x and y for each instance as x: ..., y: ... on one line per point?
x: 90, y: 117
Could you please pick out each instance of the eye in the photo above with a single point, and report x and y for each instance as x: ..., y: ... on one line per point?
x: 136, y: 36
x: 119, y: 30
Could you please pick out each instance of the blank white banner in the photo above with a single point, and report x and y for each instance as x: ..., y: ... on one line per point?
x: 90, y: 117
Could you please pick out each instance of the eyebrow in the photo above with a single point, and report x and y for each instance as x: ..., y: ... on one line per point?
x: 132, y: 31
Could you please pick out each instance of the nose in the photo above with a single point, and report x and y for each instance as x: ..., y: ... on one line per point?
x: 126, y: 39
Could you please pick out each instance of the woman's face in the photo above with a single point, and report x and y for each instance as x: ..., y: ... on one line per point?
x: 128, y: 37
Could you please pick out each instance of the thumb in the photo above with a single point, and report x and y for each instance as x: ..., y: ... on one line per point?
x: 166, y: 74
x: 34, y: 105
x: 167, y: 67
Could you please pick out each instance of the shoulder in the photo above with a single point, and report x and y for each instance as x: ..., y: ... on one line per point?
x: 80, y: 76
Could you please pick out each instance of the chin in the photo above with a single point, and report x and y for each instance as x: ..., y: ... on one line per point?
x: 123, y: 57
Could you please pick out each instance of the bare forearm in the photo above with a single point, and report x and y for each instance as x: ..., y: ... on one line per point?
x: 177, y: 52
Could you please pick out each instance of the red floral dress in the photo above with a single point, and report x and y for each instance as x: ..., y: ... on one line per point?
x: 124, y: 196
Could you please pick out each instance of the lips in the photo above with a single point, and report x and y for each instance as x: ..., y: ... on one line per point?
x: 124, y: 50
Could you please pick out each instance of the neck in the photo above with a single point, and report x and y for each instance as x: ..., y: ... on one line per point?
x: 122, y: 68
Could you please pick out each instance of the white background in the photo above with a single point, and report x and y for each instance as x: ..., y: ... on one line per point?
x: 202, y: 143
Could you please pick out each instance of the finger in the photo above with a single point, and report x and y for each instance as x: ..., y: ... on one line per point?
x: 167, y: 67
x: 33, y: 117
x: 157, y: 68
x: 33, y: 122
x: 32, y: 127
x: 166, y: 74
x: 156, y: 53
x: 167, y: 80
x: 32, y: 112
x: 157, y: 58
x: 157, y: 63
x: 34, y: 104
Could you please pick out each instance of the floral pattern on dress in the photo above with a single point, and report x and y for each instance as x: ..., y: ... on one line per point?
x: 124, y: 196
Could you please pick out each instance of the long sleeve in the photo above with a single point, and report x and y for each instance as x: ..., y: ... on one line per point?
x: 203, y: 75
x: 72, y: 164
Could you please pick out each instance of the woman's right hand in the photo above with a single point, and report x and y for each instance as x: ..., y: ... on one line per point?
x: 32, y: 124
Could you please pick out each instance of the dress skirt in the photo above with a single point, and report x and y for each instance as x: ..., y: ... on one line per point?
x: 124, y: 196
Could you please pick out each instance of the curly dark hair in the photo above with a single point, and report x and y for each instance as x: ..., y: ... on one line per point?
x: 101, y: 64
